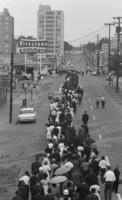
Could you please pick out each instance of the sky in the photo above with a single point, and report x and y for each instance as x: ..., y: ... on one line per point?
x: 83, y: 18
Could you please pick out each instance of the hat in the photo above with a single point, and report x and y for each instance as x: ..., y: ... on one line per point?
x: 80, y: 148
x: 50, y: 145
x: 66, y: 192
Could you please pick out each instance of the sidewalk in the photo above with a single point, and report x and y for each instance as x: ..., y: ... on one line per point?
x: 111, y: 89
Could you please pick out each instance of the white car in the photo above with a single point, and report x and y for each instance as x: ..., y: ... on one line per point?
x: 94, y: 73
x: 27, y: 115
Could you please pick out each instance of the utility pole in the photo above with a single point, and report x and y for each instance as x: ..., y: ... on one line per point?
x: 97, y: 52
x: 11, y: 84
x: 118, y: 30
x: 109, y: 44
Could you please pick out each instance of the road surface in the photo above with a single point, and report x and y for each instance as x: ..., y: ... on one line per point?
x: 20, y: 142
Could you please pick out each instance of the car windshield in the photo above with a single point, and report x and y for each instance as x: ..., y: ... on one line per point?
x: 26, y: 111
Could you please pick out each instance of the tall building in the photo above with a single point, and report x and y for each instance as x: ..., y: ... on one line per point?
x: 50, y: 27
x: 6, y: 32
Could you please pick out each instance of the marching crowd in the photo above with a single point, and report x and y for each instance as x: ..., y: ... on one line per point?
x: 72, y: 168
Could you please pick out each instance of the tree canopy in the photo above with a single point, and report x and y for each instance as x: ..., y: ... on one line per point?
x: 67, y: 46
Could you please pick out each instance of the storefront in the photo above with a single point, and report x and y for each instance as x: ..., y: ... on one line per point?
x: 3, y: 89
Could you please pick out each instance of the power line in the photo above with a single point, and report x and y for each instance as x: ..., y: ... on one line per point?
x: 91, y: 33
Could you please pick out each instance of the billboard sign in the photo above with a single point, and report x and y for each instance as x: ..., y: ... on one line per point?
x: 32, y: 50
x: 32, y: 46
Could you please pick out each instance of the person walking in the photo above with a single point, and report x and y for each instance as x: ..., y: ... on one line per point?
x: 117, y: 175
x: 26, y: 180
x: 109, y: 178
x: 85, y: 118
x: 92, y: 195
x: 35, y: 166
x: 102, y: 166
x: 97, y: 102
x: 103, y: 101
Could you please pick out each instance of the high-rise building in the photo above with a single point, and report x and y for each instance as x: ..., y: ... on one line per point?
x: 6, y: 32
x: 50, y: 27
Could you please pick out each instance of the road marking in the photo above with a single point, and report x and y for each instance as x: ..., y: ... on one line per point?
x: 91, y: 107
x: 89, y: 100
x: 94, y: 117
x: 100, y: 137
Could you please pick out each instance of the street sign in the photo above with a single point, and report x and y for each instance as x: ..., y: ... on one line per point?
x: 32, y: 50
x: 32, y: 46
x: 28, y: 43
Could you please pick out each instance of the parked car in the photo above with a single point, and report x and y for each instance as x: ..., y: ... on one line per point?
x: 27, y: 115
x: 94, y: 73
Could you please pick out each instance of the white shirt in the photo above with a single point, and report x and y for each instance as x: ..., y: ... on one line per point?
x: 61, y: 145
x: 48, y: 136
x: 48, y: 129
x: 45, y: 168
x: 51, y: 106
x: 51, y: 128
x: 26, y: 179
x: 109, y: 176
x: 59, y: 128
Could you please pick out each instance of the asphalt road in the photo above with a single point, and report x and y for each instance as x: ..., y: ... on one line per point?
x: 105, y: 124
x: 20, y: 142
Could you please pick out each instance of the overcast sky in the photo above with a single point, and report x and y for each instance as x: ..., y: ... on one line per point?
x: 81, y: 16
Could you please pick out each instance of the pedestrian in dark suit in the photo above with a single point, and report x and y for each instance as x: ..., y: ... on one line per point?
x: 117, y: 175
x: 85, y: 117
x: 35, y: 166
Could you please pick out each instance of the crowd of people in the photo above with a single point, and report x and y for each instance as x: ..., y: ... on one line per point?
x: 71, y: 167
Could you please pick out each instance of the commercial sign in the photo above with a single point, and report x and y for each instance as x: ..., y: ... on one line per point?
x: 32, y: 50
x: 32, y: 46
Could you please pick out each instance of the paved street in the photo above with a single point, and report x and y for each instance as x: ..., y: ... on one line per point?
x: 18, y: 143
x: 105, y: 125
x: 43, y: 46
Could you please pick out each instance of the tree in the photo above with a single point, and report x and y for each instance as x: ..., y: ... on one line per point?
x: 67, y: 46
x: 91, y: 46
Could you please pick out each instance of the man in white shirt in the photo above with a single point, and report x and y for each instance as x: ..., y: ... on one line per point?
x: 26, y: 180
x: 103, y: 165
x: 109, y: 178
